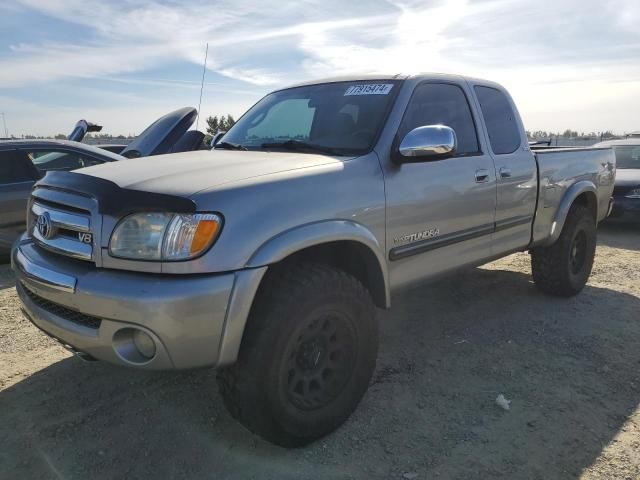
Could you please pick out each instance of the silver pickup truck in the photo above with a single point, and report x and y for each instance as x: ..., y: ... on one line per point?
x: 267, y: 256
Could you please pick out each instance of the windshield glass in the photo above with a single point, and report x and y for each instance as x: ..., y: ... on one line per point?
x: 627, y: 156
x: 341, y: 118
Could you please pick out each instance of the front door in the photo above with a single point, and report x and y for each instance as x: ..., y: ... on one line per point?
x: 440, y: 213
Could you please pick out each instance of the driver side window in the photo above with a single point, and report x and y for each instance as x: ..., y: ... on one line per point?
x: 442, y: 104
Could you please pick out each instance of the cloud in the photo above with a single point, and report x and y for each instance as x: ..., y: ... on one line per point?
x: 554, y: 56
x: 138, y: 35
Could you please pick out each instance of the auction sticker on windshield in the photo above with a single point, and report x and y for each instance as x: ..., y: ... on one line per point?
x: 369, y: 89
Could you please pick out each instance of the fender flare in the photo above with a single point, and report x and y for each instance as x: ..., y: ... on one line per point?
x: 291, y: 241
x: 569, y: 197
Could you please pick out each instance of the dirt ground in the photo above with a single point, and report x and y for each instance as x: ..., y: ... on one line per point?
x: 570, y: 367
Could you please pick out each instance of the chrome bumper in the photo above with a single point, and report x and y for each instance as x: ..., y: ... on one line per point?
x: 42, y: 276
x: 194, y: 320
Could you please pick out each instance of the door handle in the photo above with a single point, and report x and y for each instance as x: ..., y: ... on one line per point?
x: 505, y: 172
x: 482, y: 175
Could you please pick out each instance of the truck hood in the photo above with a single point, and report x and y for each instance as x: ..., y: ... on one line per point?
x: 185, y: 174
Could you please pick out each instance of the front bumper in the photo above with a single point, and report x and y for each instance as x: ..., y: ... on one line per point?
x: 193, y: 320
x: 625, y: 209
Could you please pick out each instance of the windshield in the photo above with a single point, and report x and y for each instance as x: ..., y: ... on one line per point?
x: 342, y: 118
x: 627, y: 156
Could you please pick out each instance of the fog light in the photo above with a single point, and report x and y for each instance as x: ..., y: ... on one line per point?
x: 144, y: 343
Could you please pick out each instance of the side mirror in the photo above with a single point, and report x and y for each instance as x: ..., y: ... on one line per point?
x: 216, y: 138
x: 430, y: 142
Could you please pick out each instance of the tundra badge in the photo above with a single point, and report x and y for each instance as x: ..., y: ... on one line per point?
x: 417, y: 236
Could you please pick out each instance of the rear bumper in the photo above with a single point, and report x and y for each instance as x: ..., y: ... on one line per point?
x: 192, y: 319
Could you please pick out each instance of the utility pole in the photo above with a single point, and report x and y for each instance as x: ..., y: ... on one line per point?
x: 4, y: 121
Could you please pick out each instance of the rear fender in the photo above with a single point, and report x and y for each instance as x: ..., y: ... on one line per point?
x: 568, y: 199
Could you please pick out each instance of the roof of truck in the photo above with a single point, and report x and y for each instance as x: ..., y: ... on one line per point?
x: 395, y: 76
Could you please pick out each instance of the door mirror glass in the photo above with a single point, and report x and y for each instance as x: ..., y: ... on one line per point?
x: 216, y: 138
x: 428, y: 142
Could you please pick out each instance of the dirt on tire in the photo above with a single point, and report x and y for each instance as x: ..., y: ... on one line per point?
x: 569, y: 367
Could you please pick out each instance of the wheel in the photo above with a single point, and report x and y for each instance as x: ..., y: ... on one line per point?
x: 307, y: 355
x: 563, y: 268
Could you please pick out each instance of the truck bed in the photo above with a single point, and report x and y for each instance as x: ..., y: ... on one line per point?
x: 561, y: 169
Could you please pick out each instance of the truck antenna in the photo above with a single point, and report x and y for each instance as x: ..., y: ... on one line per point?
x: 204, y: 71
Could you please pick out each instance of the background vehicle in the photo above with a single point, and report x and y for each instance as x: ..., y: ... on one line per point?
x: 626, y: 194
x: 22, y: 163
x: 267, y: 256
x: 83, y: 127
x: 165, y: 134
x: 18, y: 158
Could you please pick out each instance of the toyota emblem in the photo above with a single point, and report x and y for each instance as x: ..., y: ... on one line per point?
x: 44, y: 226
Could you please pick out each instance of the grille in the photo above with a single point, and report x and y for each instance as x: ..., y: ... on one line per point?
x: 65, y: 229
x: 63, y: 312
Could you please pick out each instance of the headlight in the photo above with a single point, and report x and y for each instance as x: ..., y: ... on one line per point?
x: 635, y: 193
x: 164, y: 236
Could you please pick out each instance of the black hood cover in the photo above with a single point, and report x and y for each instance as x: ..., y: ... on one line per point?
x: 160, y: 137
x: 113, y: 199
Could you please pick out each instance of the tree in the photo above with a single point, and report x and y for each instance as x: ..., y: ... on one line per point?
x: 223, y: 123
x: 60, y: 136
x: 213, y: 125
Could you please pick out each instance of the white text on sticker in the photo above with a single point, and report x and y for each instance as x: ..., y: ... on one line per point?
x: 369, y: 89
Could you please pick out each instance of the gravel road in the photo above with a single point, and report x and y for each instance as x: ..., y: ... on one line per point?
x: 571, y: 368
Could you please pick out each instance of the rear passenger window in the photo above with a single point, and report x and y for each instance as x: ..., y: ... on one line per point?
x: 13, y: 169
x: 499, y: 119
x: 442, y: 104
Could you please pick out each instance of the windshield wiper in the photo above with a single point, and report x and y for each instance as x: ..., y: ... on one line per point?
x: 302, y: 146
x: 229, y: 146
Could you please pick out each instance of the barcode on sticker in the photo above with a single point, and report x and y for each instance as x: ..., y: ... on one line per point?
x: 369, y: 89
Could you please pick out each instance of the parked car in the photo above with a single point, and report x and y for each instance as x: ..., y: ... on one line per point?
x: 23, y: 162
x: 626, y: 194
x: 267, y: 256
x: 83, y: 127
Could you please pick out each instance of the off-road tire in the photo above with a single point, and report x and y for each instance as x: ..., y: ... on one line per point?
x: 563, y: 268
x: 294, y: 315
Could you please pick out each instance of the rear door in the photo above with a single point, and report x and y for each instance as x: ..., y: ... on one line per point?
x: 17, y: 177
x: 440, y: 213
x: 516, y: 169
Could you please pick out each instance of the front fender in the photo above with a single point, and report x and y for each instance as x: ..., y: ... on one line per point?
x: 274, y: 250
x: 291, y: 241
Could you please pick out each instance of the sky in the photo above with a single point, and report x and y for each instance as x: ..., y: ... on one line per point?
x: 568, y: 64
